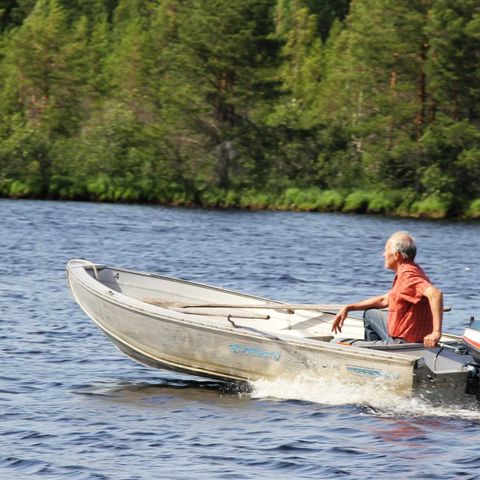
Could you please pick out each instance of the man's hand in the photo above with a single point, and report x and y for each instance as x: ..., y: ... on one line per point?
x: 339, y: 319
x: 432, y: 339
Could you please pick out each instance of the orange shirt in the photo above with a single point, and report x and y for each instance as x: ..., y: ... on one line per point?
x: 409, y: 313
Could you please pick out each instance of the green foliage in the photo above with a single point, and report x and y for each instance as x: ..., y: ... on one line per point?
x: 453, y: 29
x: 432, y: 207
x: 13, y: 13
x: 46, y: 67
x: 312, y: 199
x: 407, y: 198
x: 300, y: 72
x: 367, y: 106
x: 473, y: 210
x: 24, y: 161
x: 384, y: 202
x: 304, y: 198
x: 19, y: 189
x: 212, y: 197
x: 435, y: 182
x: 330, y: 201
x: 256, y: 200
x: 216, y: 197
x: 357, y: 201
x: 468, y: 168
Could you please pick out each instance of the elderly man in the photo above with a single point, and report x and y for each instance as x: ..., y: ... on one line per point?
x: 415, y: 306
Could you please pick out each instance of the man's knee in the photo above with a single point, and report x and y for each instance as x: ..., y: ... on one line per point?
x: 375, y: 323
x: 374, y: 315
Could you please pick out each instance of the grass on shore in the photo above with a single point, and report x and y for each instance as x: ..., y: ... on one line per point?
x: 384, y: 202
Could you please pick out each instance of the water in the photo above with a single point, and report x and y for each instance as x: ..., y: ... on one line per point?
x: 74, y: 407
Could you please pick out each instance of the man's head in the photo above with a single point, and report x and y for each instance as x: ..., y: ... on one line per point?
x: 400, y: 248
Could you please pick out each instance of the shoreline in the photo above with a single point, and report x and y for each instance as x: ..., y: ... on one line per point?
x: 357, y: 202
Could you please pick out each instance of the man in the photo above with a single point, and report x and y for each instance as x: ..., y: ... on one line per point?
x: 415, y: 306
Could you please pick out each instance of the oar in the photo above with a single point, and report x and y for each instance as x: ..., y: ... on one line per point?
x: 177, y: 308
x: 251, y: 316
x: 281, y: 306
x: 269, y: 306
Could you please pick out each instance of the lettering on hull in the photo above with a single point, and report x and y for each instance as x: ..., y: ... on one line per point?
x: 371, y: 372
x: 254, y: 351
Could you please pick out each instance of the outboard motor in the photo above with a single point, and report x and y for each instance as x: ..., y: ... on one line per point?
x: 471, y: 339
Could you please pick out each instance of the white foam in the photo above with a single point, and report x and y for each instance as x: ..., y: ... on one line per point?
x: 376, y: 398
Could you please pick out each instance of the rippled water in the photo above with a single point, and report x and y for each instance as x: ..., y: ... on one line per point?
x: 74, y: 407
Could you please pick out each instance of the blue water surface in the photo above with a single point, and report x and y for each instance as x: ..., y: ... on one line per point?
x: 73, y: 407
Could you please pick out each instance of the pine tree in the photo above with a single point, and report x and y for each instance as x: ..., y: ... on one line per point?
x: 452, y: 142
x: 293, y: 113
x: 454, y: 58
x: 42, y: 93
x: 219, y: 68
x: 46, y: 56
x: 300, y: 72
x: 376, y: 87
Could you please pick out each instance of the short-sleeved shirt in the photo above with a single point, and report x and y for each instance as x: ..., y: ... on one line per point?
x: 409, y: 312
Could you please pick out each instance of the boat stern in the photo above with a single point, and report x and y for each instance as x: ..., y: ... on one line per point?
x: 447, y: 373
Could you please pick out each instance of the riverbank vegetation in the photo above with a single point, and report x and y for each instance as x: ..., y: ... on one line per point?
x: 346, y: 105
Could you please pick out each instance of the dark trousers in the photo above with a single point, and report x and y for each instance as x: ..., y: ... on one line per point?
x: 376, y: 329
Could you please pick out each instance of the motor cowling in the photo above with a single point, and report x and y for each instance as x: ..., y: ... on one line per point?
x: 471, y: 339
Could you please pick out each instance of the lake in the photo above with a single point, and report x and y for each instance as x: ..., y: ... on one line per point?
x: 74, y: 407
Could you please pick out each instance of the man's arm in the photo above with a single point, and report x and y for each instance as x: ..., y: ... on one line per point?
x: 435, y: 298
x: 374, y: 302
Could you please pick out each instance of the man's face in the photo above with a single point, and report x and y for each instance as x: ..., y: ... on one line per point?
x: 390, y: 258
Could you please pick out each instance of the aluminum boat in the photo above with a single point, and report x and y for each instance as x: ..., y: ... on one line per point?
x: 208, y: 331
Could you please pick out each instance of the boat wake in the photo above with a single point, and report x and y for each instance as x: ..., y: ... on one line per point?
x: 374, y: 400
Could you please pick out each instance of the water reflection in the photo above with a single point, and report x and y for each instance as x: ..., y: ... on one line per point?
x: 190, y: 390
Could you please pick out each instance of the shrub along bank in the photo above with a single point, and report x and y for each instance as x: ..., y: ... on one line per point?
x: 402, y: 203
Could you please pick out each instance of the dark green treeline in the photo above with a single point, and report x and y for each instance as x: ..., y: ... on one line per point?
x: 330, y: 105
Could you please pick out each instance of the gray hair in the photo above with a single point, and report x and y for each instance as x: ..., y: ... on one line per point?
x: 403, y: 243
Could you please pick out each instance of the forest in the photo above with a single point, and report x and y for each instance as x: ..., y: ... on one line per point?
x: 363, y: 106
